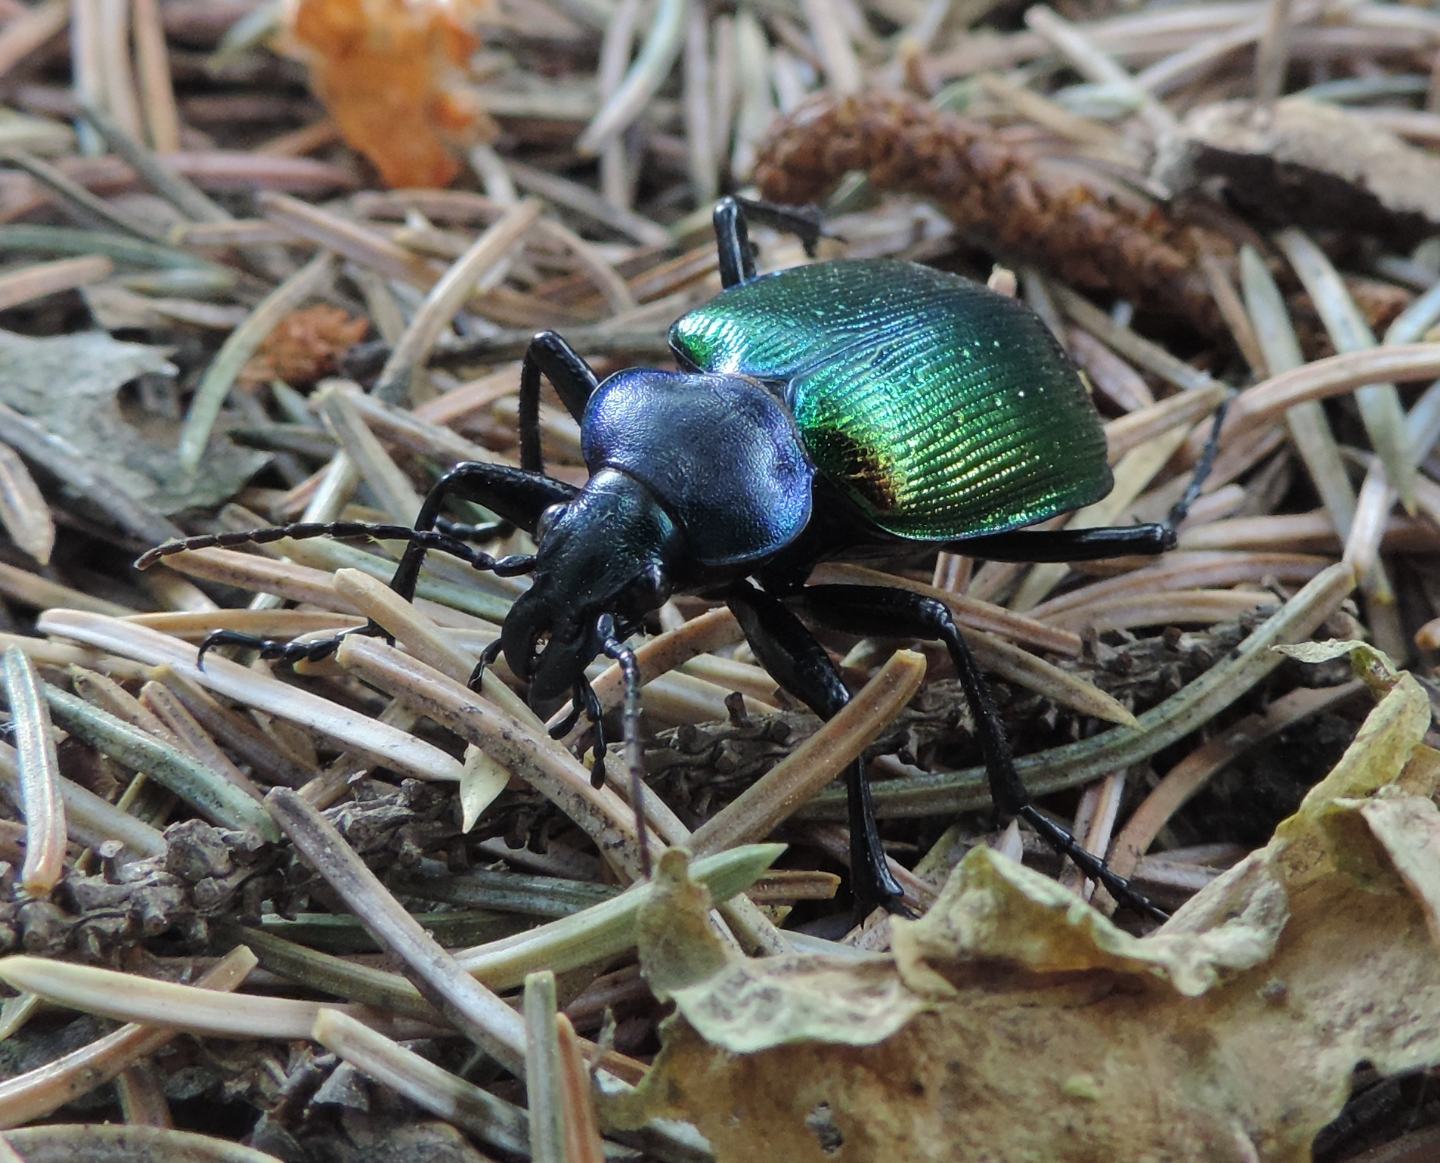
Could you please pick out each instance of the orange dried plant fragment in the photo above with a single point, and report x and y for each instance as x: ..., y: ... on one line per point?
x: 391, y: 74
x: 305, y: 346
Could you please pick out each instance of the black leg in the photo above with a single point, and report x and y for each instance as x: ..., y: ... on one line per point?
x: 484, y: 662
x: 517, y: 495
x: 562, y: 365
x: 275, y: 650
x: 1096, y: 544
x: 888, y: 612
x: 732, y: 239
x: 799, y: 664
x: 572, y: 716
x: 313, y: 650
x: 1070, y: 544
x: 596, y: 714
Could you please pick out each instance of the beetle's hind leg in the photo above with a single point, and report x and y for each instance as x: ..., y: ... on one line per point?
x: 1065, y: 545
x: 889, y: 612
x: 799, y: 663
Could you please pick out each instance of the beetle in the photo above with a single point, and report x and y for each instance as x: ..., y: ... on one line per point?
x: 831, y: 409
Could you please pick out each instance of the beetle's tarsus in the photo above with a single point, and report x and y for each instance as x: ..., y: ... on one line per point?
x: 1181, y: 508
x: 487, y: 659
x: 1063, y: 841
x: 274, y: 650
x: 567, y: 724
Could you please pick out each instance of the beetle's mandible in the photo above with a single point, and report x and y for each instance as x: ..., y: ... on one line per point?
x: 821, y: 411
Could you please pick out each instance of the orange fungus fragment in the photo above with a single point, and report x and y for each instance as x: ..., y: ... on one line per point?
x: 305, y: 346
x: 391, y: 73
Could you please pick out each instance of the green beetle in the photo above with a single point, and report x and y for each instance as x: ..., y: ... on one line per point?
x: 829, y: 410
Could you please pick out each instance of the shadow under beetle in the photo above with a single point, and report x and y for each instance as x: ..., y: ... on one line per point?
x: 828, y: 410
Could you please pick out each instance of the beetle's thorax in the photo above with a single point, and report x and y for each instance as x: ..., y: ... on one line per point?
x: 720, y: 452
x: 613, y: 550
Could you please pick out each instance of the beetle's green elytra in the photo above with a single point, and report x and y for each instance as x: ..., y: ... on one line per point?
x: 941, y: 409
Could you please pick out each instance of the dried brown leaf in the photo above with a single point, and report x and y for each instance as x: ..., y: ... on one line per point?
x: 1303, y: 163
x: 1016, y: 1023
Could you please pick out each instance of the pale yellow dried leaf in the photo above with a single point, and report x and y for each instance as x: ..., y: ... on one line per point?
x: 1021, y: 1027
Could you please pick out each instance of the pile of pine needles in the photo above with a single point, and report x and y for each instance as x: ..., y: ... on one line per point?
x: 214, y: 316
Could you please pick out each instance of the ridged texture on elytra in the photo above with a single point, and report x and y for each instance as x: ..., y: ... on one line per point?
x: 943, y: 410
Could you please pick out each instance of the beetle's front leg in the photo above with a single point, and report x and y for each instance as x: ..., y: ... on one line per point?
x: 573, y: 379
x: 887, y: 612
x: 517, y: 495
x: 793, y: 657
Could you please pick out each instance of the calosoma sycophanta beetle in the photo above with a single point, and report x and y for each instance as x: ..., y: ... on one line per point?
x: 825, y: 410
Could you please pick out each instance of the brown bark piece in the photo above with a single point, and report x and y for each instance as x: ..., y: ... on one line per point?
x: 1301, y: 163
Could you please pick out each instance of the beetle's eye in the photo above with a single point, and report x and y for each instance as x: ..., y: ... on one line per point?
x: 547, y: 519
x: 647, y: 590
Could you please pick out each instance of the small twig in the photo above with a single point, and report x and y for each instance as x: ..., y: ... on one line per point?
x: 82, y: 205
x: 448, y: 295
x: 169, y: 183
x: 543, y: 1087
x: 651, y: 66
x: 493, y: 1121
x: 39, y: 1092
x: 157, y: 96
x: 479, y: 1014
x: 203, y: 789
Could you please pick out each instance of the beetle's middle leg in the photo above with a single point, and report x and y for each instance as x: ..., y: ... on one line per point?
x: 799, y: 663
x: 887, y: 612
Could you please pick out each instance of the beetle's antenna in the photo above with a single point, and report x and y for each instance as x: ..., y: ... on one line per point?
x: 630, y: 669
x: 517, y: 563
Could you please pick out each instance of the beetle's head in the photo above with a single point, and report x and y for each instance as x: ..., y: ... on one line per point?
x: 606, y: 556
